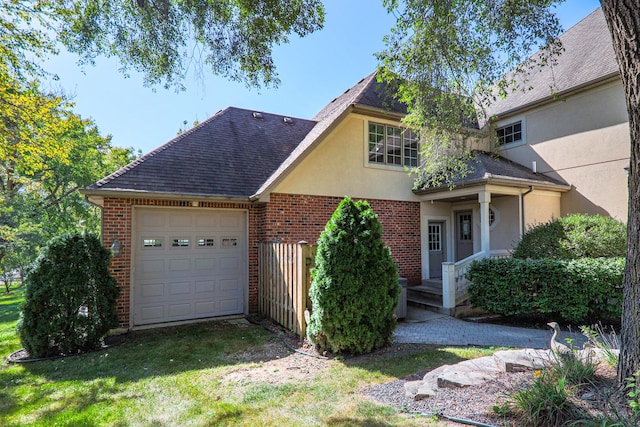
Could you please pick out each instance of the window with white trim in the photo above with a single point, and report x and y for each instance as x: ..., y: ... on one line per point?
x: 509, y: 133
x: 392, y: 145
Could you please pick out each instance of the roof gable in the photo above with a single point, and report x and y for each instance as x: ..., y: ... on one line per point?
x: 229, y: 155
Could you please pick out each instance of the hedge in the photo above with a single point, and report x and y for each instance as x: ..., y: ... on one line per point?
x: 574, y: 236
x: 578, y: 291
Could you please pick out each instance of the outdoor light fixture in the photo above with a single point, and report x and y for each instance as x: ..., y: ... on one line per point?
x: 116, y: 247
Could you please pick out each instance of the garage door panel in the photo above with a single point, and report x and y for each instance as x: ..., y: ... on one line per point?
x: 228, y: 285
x: 179, y: 265
x: 150, y: 314
x: 207, y: 221
x: 179, y: 310
x: 229, y: 306
x: 229, y: 264
x: 230, y: 222
x: 180, y: 288
x: 151, y: 266
x: 152, y: 290
x: 180, y: 220
x: 188, y: 264
x: 205, y: 265
x: 152, y: 219
x: 205, y: 286
x: 206, y: 307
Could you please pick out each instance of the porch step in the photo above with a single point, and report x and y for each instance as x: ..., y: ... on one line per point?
x: 428, y: 295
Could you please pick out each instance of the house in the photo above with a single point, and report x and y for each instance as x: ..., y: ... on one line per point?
x: 189, y: 215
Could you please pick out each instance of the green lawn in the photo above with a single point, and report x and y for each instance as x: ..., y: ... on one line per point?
x: 174, y: 377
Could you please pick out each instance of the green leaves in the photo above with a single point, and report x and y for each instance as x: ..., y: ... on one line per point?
x: 454, y: 59
x: 574, y: 236
x: 70, y: 298
x: 354, y: 287
x: 581, y: 290
x: 163, y: 39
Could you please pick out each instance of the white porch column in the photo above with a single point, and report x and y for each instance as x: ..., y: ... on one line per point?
x: 449, y: 286
x: 485, y: 235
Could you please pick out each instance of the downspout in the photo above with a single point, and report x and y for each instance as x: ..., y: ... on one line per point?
x: 522, y: 224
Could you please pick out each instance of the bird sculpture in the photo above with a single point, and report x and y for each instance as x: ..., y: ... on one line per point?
x: 558, y: 348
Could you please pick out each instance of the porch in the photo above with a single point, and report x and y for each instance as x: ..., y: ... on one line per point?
x: 483, y: 215
x: 448, y: 294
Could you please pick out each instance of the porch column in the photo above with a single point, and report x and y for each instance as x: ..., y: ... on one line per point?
x: 485, y: 237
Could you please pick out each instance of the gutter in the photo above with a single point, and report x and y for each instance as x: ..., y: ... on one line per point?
x: 498, y: 180
x: 608, y: 78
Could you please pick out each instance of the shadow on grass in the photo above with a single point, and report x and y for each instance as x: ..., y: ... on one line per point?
x: 166, y: 351
x: 407, y: 361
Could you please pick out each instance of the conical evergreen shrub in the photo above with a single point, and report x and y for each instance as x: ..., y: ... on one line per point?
x: 354, y: 289
x: 70, y: 302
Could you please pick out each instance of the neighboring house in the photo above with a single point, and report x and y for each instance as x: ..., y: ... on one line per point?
x: 190, y: 214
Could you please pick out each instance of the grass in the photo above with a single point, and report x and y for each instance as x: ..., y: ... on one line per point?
x: 175, y: 377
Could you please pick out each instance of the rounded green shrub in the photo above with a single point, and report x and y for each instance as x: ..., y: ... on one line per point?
x: 578, y: 291
x: 70, y: 301
x: 573, y: 237
x: 354, y: 289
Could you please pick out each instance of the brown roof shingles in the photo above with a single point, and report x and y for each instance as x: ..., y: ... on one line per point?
x: 229, y: 155
x: 588, y: 57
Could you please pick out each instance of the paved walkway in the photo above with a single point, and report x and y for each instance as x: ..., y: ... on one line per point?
x: 423, y: 326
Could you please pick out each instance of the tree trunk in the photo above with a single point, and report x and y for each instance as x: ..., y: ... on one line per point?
x: 623, y: 19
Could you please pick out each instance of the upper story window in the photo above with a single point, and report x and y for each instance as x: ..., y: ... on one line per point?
x: 392, y: 145
x: 510, y: 133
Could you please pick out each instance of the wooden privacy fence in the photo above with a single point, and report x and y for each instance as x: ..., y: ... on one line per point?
x: 284, y: 280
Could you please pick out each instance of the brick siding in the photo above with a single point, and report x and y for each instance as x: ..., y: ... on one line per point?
x: 293, y: 217
x: 287, y: 217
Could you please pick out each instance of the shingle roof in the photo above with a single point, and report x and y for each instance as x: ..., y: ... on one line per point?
x: 484, y: 167
x: 367, y: 92
x: 588, y: 57
x: 230, y: 154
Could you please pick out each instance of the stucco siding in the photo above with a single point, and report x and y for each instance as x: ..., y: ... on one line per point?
x: 338, y: 167
x: 583, y: 140
x: 540, y: 207
x: 507, y: 225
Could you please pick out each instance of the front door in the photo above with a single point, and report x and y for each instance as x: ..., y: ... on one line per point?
x: 436, y: 244
x: 464, y: 234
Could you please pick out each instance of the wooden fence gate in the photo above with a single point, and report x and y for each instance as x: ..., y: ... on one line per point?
x: 284, y: 280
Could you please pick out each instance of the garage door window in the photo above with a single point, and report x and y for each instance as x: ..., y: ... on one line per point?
x: 179, y: 243
x: 229, y: 242
x: 208, y: 242
x: 151, y: 243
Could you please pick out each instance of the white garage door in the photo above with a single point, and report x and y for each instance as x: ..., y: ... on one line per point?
x: 189, y: 264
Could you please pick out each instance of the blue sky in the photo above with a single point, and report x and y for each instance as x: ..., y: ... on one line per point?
x: 313, y: 70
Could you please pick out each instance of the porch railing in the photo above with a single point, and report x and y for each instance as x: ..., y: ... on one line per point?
x: 454, y: 281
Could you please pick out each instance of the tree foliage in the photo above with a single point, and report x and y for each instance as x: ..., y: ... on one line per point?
x: 453, y: 59
x: 354, y: 289
x: 162, y: 39
x: 47, y: 152
x: 448, y: 52
x: 70, y: 301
